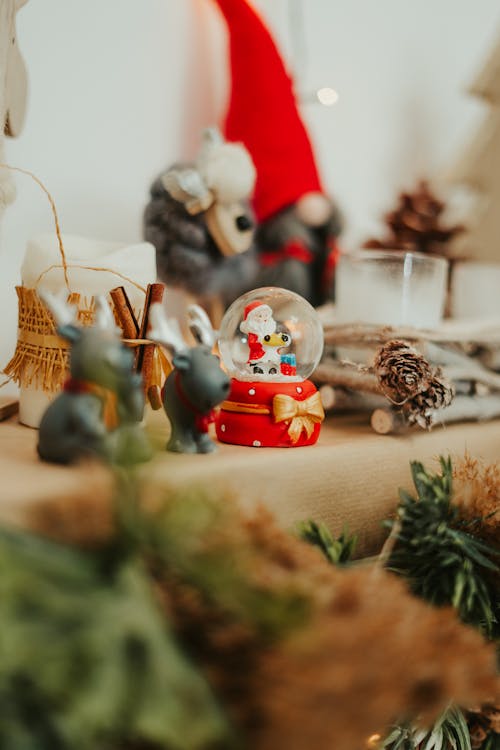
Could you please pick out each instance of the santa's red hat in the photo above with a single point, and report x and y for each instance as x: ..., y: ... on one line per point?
x: 251, y: 307
x: 263, y: 113
x: 247, y: 324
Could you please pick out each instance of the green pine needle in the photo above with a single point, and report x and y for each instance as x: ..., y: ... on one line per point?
x: 492, y: 742
x: 337, y: 551
x: 450, y: 732
x: 442, y: 560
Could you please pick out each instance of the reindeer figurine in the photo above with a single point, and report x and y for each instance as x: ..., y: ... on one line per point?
x: 99, y: 411
x: 196, y: 385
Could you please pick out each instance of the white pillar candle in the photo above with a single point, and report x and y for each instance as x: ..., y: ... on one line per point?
x: 94, y: 267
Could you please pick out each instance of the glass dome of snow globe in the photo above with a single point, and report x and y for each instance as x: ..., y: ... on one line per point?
x: 270, y: 342
x: 270, y: 334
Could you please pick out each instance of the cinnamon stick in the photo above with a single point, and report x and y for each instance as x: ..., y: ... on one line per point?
x: 124, y: 313
x: 145, y: 354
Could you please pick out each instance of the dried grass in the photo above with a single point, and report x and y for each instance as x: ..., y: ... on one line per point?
x: 370, y: 653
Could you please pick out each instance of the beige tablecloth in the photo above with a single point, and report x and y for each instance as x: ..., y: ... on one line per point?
x: 350, y: 477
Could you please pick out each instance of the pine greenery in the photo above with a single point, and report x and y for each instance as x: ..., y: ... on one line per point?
x: 88, y: 661
x: 450, y: 732
x: 445, y: 564
x: 337, y: 551
x: 437, y: 553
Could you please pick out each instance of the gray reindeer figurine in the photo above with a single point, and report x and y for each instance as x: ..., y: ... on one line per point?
x: 196, y: 385
x: 100, y: 409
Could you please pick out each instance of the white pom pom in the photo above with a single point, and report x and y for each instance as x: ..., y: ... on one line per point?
x: 228, y: 171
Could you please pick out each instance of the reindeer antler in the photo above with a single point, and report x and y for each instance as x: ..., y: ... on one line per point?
x: 200, y: 326
x: 104, y: 318
x: 163, y: 330
x: 63, y: 313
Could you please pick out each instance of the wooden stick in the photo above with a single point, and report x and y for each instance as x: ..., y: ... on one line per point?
x: 366, y: 334
x: 355, y: 334
x: 458, y: 366
x: 474, y: 374
x: 9, y: 405
x: 327, y: 395
x: 469, y: 408
x: 346, y: 375
x: 349, y: 375
x: 386, y: 421
x: 490, y: 358
x: 344, y: 400
x: 145, y: 356
x: 124, y: 313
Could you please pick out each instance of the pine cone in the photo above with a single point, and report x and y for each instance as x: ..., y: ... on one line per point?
x: 477, y: 735
x: 419, y: 409
x: 492, y: 714
x: 482, y: 722
x: 415, y: 224
x: 401, y: 370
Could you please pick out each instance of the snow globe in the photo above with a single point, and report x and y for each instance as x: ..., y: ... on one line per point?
x: 270, y: 342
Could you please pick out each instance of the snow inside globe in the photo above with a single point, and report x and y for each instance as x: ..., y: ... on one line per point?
x: 270, y: 341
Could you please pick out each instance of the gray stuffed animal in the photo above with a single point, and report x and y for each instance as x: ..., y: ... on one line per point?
x: 99, y: 411
x: 199, y: 220
x: 196, y: 384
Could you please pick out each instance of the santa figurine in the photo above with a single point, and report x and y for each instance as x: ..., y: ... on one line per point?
x: 264, y: 344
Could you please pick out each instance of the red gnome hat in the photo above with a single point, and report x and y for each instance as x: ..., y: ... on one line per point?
x: 263, y: 113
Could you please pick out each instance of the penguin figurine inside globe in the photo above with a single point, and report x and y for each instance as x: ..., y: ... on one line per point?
x: 270, y: 341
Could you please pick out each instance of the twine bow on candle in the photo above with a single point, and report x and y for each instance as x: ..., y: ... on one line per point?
x: 302, y: 415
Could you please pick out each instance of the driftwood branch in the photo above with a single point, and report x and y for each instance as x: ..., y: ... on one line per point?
x: 386, y: 420
x: 345, y: 400
x: 366, y: 334
x: 456, y: 367
x: 347, y: 375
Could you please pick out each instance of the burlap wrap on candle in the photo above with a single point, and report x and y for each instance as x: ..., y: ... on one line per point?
x: 41, y: 356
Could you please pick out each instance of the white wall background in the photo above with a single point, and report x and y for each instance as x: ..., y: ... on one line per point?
x: 120, y: 88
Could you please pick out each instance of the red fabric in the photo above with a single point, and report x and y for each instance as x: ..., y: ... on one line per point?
x: 256, y: 349
x: 330, y: 264
x: 248, y: 429
x: 76, y: 386
x: 263, y: 114
x: 251, y: 306
x: 293, y: 249
x: 203, y: 421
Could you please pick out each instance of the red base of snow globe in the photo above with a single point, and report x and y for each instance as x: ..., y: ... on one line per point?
x: 270, y: 414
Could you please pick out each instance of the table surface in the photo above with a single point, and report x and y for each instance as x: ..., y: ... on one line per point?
x: 350, y: 477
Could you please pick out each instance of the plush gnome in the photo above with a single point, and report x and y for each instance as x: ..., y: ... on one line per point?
x: 297, y: 223
x: 200, y: 222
